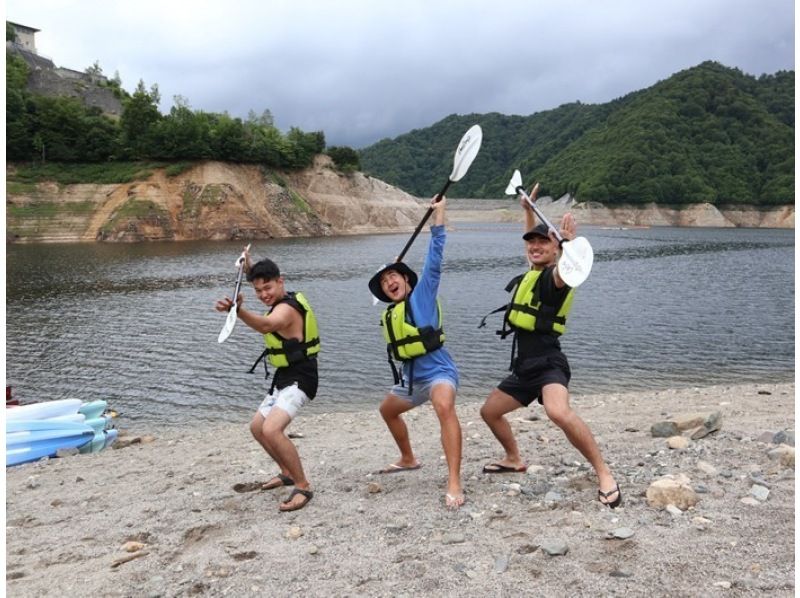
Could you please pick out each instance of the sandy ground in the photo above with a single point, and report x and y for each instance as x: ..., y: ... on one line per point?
x: 389, y: 535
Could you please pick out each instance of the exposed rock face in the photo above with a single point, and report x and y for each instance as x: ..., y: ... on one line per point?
x: 646, y: 215
x: 215, y: 201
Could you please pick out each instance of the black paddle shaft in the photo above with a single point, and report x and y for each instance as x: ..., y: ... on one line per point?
x: 423, y: 221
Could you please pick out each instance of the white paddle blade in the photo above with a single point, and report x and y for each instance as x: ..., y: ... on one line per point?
x: 577, y: 257
x: 230, y: 322
x: 516, y: 181
x: 468, y: 148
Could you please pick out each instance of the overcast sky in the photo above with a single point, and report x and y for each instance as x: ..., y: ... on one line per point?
x: 362, y: 70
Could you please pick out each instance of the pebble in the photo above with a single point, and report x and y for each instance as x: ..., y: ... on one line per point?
x: 374, y: 488
x: 132, y: 546
x: 749, y: 500
x: 313, y: 549
x: 501, y: 564
x: 293, y: 533
x: 454, y: 539
x: 725, y: 585
x: 707, y: 468
x: 555, y: 548
x: 621, y: 533
x: 678, y: 442
x: 701, y: 523
x: 759, y: 492
x: 552, y: 496
x: 620, y: 573
x: 674, y: 511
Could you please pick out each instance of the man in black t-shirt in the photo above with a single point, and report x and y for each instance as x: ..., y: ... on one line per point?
x: 540, y: 371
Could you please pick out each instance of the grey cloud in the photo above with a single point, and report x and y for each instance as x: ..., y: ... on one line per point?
x: 361, y: 71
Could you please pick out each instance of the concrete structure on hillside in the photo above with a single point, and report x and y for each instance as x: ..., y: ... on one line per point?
x: 48, y: 80
x: 26, y: 36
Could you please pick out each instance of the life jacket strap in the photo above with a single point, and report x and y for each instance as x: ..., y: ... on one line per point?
x: 262, y: 357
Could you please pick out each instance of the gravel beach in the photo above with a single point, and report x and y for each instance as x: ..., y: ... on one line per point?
x: 161, y: 517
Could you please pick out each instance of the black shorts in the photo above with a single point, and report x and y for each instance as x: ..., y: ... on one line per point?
x: 525, y: 384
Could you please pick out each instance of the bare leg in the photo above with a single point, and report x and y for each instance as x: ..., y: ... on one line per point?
x: 273, y: 435
x: 443, y: 398
x: 493, y: 413
x: 256, y: 429
x: 556, y: 404
x: 391, y: 409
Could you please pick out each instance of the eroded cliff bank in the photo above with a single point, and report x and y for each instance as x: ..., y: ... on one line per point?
x: 221, y: 201
x: 215, y: 201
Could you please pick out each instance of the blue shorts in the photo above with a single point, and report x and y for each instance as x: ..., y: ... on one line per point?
x: 422, y: 390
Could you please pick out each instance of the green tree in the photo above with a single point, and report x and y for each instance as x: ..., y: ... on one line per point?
x: 344, y: 158
x: 140, y: 113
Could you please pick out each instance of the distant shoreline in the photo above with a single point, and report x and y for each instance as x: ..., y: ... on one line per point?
x: 627, y: 216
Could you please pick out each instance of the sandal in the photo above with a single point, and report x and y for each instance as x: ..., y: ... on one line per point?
x: 306, y: 493
x: 283, y: 480
x: 614, y: 503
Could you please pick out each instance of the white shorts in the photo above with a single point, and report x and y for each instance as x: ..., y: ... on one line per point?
x: 290, y: 399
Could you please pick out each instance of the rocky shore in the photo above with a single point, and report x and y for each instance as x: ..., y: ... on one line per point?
x: 707, y: 476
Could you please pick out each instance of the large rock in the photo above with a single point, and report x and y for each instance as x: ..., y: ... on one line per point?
x: 694, y: 426
x: 783, y: 454
x: 672, y: 490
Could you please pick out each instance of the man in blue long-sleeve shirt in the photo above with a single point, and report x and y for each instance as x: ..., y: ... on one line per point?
x: 413, y: 329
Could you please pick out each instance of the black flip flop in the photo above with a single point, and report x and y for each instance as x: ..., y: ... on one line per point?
x: 498, y: 468
x: 614, y: 503
x: 308, y: 495
x: 285, y: 481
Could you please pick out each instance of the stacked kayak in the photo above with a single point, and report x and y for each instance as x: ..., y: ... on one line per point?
x: 42, y: 429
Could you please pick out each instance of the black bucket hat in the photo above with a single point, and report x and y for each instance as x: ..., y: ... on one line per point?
x: 540, y: 230
x: 375, y: 281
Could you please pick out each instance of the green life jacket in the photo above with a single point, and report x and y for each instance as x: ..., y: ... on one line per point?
x: 282, y: 352
x: 526, y: 312
x: 403, y: 338
x: 406, y: 342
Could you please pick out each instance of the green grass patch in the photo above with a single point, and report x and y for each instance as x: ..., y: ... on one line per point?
x: 15, y: 188
x: 135, y: 209
x: 177, y: 168
x: 70, y: 174
x: 47, y: 209
x: 278, y: 179
x: 194, y: 199
x: 299, y: 201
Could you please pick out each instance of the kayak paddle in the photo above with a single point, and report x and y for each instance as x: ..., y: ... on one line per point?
x: 467, y: 150
x: 230, y: 322
x: 577, y: 255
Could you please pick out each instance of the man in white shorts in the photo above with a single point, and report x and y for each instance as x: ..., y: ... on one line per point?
x: 292, y: 339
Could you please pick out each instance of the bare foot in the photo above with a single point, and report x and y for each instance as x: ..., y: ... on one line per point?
x: 453, y: 501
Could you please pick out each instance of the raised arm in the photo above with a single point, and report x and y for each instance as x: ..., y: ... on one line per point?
x: 569, y: 230
x: 530, y: 215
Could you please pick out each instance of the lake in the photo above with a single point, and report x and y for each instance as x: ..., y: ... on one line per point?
x: 135, y: 324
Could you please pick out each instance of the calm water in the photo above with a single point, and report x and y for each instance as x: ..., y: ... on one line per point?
x: 134, y: 324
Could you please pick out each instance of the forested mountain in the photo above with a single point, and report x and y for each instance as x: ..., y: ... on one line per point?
x: 707, y: 134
